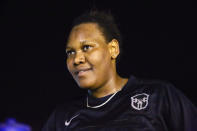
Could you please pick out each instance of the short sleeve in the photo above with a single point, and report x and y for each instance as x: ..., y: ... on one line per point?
x: 180, y: 113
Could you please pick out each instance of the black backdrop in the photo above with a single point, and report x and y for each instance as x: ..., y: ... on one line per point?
x: 34, y: 78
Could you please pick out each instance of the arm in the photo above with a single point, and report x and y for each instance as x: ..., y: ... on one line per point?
x: 180, y: 113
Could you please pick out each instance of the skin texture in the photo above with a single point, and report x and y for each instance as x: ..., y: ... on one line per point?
x: 92, y: 61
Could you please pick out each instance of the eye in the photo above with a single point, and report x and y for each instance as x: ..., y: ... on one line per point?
x: 70, y: 52
x: 86, y: 47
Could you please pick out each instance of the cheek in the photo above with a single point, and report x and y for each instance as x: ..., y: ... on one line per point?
x: 100, y: 58
x: 69, y: 64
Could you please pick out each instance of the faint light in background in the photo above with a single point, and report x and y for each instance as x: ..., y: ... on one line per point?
x: 12, y: 125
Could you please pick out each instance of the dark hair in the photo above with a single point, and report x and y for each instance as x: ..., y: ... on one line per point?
x: 105, y: 21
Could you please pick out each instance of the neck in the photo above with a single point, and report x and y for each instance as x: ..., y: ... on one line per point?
x: 113, y: 85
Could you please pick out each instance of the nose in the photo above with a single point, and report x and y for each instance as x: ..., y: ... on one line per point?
x: 79, y: 58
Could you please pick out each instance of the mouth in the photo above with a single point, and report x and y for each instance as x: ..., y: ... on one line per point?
x: 82, y: 72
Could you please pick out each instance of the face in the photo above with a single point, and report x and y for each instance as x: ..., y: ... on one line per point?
x: 88, y: 56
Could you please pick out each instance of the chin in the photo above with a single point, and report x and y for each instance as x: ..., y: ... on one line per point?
x: 85, y: 84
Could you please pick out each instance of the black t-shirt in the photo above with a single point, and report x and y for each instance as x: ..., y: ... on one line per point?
x: 141, y: 105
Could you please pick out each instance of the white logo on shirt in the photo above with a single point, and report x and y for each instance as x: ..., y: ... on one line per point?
x: 139, y: 101
x: 67, y: 123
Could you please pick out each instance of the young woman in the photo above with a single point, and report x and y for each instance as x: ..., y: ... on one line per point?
x: 114, y: 103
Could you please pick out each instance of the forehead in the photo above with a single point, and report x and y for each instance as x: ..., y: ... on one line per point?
x: 85, y: 32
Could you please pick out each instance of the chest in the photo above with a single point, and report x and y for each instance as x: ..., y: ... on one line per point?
x: 136, y: 113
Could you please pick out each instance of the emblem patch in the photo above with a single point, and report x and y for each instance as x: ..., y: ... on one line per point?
x: 139, y: 101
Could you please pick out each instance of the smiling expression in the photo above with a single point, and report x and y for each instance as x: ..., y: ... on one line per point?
x: 88, y: 56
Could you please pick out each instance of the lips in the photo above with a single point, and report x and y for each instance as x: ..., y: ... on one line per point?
x: 82, y: 71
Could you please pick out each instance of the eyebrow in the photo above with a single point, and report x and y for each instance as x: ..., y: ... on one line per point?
x: 81, y: 43
x: 88, y: 42
x: 68, y: 48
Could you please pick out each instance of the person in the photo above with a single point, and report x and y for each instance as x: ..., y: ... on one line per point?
x: 115, y: 103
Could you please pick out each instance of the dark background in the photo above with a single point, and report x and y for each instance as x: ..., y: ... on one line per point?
x: 34, y: 78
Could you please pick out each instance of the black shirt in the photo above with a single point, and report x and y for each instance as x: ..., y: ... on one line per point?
x: 141, y: 105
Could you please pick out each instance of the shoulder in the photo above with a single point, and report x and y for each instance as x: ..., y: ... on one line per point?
x: 164, y: 88
x: 164, y: 93
x: 161, y: 90
x: 155, y: 86
x: 175, y: 109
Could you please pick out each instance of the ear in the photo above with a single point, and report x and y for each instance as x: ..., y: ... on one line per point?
x: 114, y: 48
